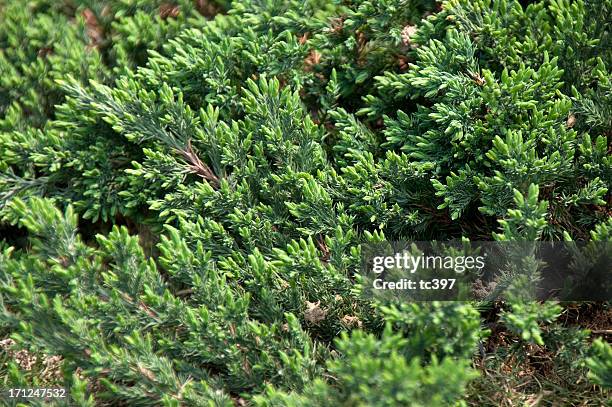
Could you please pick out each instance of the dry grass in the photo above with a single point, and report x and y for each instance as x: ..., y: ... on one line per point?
x: 515, y: 373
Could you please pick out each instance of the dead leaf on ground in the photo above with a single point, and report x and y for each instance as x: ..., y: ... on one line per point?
x: 314, y: 313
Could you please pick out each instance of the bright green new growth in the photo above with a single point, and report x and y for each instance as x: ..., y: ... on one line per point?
x: 184, y: 186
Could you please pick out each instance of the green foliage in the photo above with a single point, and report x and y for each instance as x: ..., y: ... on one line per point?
x: 436, y: 329
x: 601, y: 364
x: 113, y: 316
x: 185, y: 186
x: 373, y: 372
x: 524, y: 319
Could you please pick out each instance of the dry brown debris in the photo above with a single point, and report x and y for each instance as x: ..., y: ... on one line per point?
x: 314, y: 314
x: 146, y: 373
x: 22, y: 357
x: 207, y: 8
x: 303, y: 38
x: 52, y: 370
x: 337, y: 24
x: 408, y: 32
x: 169, y: 10
x: 95, y: 32
x: 351, y: 321
x: 314, y: 58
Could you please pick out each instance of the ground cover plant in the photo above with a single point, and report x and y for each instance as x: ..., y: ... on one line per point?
x: 185, y: 185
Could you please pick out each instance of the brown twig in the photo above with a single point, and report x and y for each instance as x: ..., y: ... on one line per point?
x: 198, y: 167
x: 186, y: 291
x: 168, y: 10
x: 95, y: 32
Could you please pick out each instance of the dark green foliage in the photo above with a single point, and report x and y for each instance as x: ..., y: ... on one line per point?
x: 185, y: 185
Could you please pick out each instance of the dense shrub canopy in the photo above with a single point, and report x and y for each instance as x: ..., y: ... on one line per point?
x: 184, y: 186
